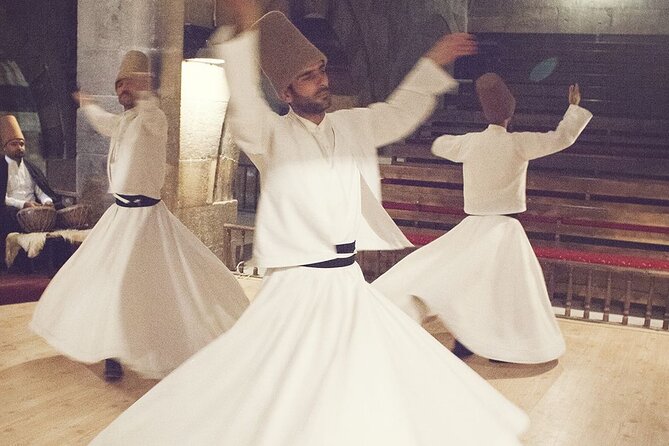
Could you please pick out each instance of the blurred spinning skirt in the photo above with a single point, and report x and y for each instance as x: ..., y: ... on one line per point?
x: 141, y: 288
x: 484, y: 281
x: 320, y: 359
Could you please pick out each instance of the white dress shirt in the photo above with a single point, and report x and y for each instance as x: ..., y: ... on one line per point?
x: 341, y: 183
x: 495, y: 161
x: 21, y: 187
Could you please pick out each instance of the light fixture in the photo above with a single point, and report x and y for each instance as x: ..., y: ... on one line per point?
x: 206, y: 55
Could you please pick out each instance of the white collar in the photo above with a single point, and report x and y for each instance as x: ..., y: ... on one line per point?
x: 9, y: 160
x: 497, y: 128
x: 310, y: 125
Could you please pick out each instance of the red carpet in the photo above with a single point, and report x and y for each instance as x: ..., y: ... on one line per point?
x: 17, y: 288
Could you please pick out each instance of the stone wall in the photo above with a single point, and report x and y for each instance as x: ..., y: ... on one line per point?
x: 385, y: 38
x: 570, y: 16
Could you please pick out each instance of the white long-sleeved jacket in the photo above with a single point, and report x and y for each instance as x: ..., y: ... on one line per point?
x: 495, y: 161
x: 293, y: 224
x: 138, y: 147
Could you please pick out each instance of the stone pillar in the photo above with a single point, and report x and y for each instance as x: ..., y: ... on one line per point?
x: 207, y: 161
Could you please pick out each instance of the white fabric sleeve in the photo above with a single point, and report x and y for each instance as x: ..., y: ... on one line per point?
x: 13, y: 202
x: 531, y: 145
x: 412, y: 102
x: 43, y: 198
x: 103, y: 121
x: 249, y: 116
x: 449, y: 147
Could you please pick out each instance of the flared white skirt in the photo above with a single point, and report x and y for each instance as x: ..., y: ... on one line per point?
x: 485, y: 283
x: 141, y: 288
x: 320, y: 359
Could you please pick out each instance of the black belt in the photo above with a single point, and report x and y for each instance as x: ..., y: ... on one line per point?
x: 339, y: 262
x: 136, y: 201
x: 346, y: 248
x: 501, y: 215
x: 333, y: 263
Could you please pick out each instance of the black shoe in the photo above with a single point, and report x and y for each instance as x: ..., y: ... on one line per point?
x: 461, y: 351
x: 113, y: 370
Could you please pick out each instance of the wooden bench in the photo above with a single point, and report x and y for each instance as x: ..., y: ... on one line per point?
x: 599, y: 210
x: 610, y: 146
x: 622, y: 75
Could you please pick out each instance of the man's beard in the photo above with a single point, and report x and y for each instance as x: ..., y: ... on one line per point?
x: 126, y: 99
x: 311, y: 105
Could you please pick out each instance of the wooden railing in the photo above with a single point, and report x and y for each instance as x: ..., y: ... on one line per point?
x: 608, y: 290
x: 237, y: 242
x: 586, y: 291
x: 247, y: 185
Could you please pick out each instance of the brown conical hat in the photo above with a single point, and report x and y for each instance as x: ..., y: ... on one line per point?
x: 284, y: 51
x: 496, y: 100
x: 9, y: 129
x: 134, y: 62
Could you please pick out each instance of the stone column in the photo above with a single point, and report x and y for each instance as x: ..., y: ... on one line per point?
x: 207, y: 161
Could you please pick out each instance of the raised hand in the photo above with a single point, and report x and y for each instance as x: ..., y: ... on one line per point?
x: 82, y: 98
x: 451, y: 46
x: 245, y: 12
x: 574, y: 94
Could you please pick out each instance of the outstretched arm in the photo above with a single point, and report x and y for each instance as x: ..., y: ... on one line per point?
x: 533, y: 145
x: 103, y: 121
x: 249, y: 116
x: 449, y: 147
x: 414, y: 100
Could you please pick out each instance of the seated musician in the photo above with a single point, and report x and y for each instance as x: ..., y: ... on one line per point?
x: 23, y: 184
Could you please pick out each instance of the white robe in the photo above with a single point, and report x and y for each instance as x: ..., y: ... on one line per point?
x: 482, y: 277
x: 319, y: 358
x: 141, y: 288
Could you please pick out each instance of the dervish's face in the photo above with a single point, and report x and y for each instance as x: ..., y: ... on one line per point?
x: 309, y: 93
x: 15, y: 148
x: 128, y: 90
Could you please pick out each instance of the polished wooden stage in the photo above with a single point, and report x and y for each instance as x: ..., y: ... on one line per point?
x: 611, y: 388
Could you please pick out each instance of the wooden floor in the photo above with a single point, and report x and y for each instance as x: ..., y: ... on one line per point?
x: 611, y: 388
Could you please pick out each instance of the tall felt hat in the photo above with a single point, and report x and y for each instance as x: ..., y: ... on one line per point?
x: 9, y: 129
x: 284, y: 51
x: 133, y: 62
x: 496, y: 100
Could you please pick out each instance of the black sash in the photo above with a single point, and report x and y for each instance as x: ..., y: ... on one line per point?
x: 516, y: 215
x: 339, y: 262
x: 136, y: 201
